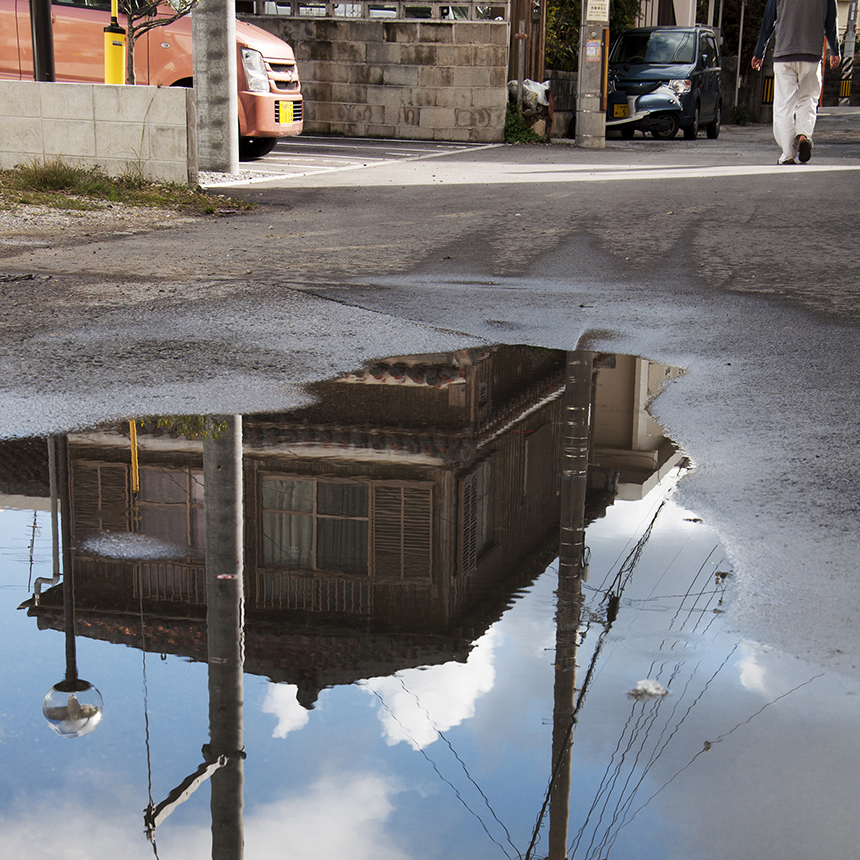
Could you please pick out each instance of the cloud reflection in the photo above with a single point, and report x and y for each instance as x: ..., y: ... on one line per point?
x: 342, y: 815
x: 417, y: 704
x: 752, y: 673
x: 281, y: 701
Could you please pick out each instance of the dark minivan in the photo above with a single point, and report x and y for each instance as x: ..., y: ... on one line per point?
x: 665, y: 78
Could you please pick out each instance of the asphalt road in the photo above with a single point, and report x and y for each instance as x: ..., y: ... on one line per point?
x: 309, y: 155
x: 703, y: 254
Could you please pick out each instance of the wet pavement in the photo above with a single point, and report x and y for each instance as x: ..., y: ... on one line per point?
x: 406, y: 642
x: 742, y: 599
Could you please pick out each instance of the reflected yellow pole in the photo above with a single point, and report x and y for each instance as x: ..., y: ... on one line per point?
x: 135, y: 466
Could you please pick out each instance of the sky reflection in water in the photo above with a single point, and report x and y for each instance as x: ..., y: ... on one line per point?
x: 751, y: 754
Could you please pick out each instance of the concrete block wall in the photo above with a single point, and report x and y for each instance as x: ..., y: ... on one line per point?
x: 402, y: 79
x: 120, y: 128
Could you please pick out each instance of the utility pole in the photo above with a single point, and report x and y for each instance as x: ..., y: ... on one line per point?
x: 740, y: 52
x: 848, y: 59
x: 529, y: 41
x: 590, y: 106
x: 42, y: 32
x: 213, y: 33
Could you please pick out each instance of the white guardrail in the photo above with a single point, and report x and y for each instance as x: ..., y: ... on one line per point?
x: 468, y: 11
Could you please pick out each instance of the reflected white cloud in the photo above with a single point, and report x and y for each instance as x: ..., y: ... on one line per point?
x: 281, y: 701
x: 343, y: 815
x: 417, y: 704
x: 752, y: 673
x: 80, y: 829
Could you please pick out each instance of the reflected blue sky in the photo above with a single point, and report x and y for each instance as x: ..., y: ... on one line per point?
x: 752, y: 754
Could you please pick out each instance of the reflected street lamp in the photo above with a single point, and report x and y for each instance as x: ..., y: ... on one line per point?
x: 73, y: 707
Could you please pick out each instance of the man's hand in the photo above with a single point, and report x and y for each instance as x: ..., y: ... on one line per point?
x: 835, y: 59
x: 756, y: 63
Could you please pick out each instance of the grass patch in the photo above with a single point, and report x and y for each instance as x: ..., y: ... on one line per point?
x: 516, y: 129
x: 60, y: 185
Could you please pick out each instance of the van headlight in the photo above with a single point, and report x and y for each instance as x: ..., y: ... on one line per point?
x: 680, y: 87
x: 255, y: 71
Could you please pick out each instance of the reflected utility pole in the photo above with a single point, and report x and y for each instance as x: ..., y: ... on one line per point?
x: 224, y: 755
x: 222, y: 477
x: 574, y: 483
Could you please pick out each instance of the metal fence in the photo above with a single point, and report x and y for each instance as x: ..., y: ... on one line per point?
x: 463, y: 11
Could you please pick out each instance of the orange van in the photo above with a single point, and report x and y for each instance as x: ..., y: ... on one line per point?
x: 270, y: 97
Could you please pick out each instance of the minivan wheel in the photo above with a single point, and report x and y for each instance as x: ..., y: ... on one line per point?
x: 255, y: 147
x: 713, y: 127
x: 665, y: 127
x: 691, y: 132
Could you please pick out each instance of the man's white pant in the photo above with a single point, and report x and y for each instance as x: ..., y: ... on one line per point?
x: 796, y: 90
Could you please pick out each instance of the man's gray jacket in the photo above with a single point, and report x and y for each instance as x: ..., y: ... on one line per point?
x: 800, y: 26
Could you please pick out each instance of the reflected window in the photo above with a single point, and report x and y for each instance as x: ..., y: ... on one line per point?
x: 315, y: 525
x: 477, y: 515
x: 170, y: 507
x: 102, y: 498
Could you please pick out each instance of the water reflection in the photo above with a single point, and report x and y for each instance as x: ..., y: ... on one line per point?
x: 73, y: 707
x: 376, y: 541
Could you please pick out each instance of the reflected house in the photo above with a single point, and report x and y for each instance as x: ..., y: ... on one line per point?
x: 626, y: 438
x: 387, y: 524
x: 396, y: 516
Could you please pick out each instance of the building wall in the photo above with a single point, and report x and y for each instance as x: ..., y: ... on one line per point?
x: 121, y: 129
x: 402, y: 79
x: 653, y: 13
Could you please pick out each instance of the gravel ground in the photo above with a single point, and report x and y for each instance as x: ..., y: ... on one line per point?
x: 29, y: 225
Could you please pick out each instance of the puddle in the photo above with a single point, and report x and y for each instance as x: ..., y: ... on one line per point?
x: 472, y: 620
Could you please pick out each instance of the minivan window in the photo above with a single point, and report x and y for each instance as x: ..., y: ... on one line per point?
x: 713, y: 52
x: 660, y: 47
x: 103, y: 5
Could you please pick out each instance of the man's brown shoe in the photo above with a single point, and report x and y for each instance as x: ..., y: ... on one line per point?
x: 804, y: 148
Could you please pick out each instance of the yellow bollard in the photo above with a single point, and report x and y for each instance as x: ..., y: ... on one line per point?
x: 114, y: 49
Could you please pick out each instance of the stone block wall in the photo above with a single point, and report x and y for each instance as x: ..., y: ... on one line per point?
x: 120, y: 128
x: 402, y: 79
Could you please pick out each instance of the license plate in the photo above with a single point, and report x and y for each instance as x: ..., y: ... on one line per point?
x: 620, y: 111
x: 285, y: 112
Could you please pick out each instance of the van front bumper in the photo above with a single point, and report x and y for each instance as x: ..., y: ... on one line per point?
x: 270, y: 114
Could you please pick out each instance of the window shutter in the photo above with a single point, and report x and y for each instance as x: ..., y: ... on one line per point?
x: 402, y: 532
x: 469, y: 524
x: 101, y: 498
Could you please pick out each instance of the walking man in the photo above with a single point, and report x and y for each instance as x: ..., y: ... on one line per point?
x: 801, y: 26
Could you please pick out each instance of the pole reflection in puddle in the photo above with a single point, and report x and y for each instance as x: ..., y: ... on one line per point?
x: 224, y: 755
x: 222, y: 471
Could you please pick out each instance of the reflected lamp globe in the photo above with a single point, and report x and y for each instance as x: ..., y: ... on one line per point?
x: 73, y: 708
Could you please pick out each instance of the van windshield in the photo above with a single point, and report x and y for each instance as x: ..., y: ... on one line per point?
x: 661, y: 47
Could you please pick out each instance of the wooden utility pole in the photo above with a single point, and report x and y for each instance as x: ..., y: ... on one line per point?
x: 533, y: 12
